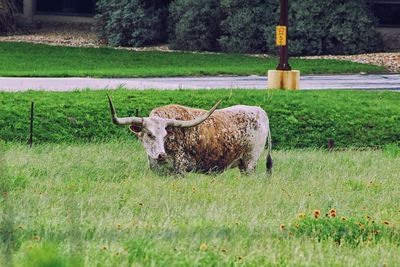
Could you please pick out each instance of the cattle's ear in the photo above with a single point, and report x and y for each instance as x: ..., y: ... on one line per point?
x: 135, y: 128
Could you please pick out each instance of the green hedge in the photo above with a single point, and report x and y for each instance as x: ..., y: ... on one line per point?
x: 331, y: 27
x: 243, y: 26
x: 326, y: 27
x: 8, y: 23
x: 131, y: 22
x: 194, y: 24
x: 303, y: 119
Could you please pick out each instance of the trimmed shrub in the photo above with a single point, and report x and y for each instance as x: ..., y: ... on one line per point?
x: 329, y: 27
x: 244, y: 23
x: 130, y: 22
x: 7, y: 21
x: 355, y: 33
x: 194, y: 24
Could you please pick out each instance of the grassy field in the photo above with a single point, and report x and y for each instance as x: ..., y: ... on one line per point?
x: 100, y: 205
x: 300, y: 119
x: 33, y: 60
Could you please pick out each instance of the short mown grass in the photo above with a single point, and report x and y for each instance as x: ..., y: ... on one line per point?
x: 99, y: 204
x: 303, y: 119
x: 34, y: 60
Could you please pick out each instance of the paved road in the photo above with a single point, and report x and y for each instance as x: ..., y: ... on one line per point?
x: 362, y: 82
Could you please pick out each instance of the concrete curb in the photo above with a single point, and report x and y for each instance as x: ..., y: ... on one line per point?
x: 312, y: 82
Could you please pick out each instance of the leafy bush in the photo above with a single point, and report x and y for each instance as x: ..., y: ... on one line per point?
x: 8, y: 8
x: 298, y: 119
x: 243, y: 25
x: 130, y: 22
x: 194, y: 24
x: 329, y: 27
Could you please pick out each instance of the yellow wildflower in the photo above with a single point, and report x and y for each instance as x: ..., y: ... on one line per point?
x: 301, y: 215
x: 332, y: 215
x: 316, y: 214
x: 203, y: 247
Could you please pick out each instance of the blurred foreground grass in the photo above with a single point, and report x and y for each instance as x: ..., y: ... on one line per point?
x: 100, y: 205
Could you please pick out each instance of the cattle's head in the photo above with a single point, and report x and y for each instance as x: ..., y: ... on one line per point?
x: 151, y: 131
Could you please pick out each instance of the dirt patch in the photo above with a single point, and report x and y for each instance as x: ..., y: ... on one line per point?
x: 78, y: 35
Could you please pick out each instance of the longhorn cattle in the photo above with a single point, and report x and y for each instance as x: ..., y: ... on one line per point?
x: 180, y: 139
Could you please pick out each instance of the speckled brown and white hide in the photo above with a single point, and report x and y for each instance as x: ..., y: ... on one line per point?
x: 230, y: 137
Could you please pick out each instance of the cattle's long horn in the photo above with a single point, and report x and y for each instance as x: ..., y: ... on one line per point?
x: 122, y: 121
x: 194, y: 122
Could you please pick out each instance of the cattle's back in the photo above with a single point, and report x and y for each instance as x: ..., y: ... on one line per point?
x: 177, y: 112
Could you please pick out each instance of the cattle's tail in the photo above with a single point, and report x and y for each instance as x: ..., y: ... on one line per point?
x: 269, y: 158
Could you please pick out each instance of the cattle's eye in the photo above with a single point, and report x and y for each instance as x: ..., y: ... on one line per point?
x: 135, y: 128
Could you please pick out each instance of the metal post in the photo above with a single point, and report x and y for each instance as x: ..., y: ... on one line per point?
x: 331, y: 144
x: 31, y: 126
x: 283, y: 50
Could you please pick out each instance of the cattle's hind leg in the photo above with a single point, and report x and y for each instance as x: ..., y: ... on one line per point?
x: 247, y: 166
x: 249, y: 160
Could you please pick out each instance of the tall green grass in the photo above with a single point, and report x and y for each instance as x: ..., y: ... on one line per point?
x: 300, y: 119
x: 100, y: 205
x: 33, y: 60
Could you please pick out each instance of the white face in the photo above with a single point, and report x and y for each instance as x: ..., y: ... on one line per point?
x: 152, y: 135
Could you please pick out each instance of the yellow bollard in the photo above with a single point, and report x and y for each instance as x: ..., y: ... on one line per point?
x: 284, y: 79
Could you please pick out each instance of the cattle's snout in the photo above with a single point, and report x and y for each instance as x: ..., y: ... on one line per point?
x: 162, y: 157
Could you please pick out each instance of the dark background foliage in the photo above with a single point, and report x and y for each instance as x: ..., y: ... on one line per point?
x: 131, y: 22
x: 315, y: 28
x: 8, y: 8
x: 194, y: 24
x: 243, y: 26
x: 331, y: 27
